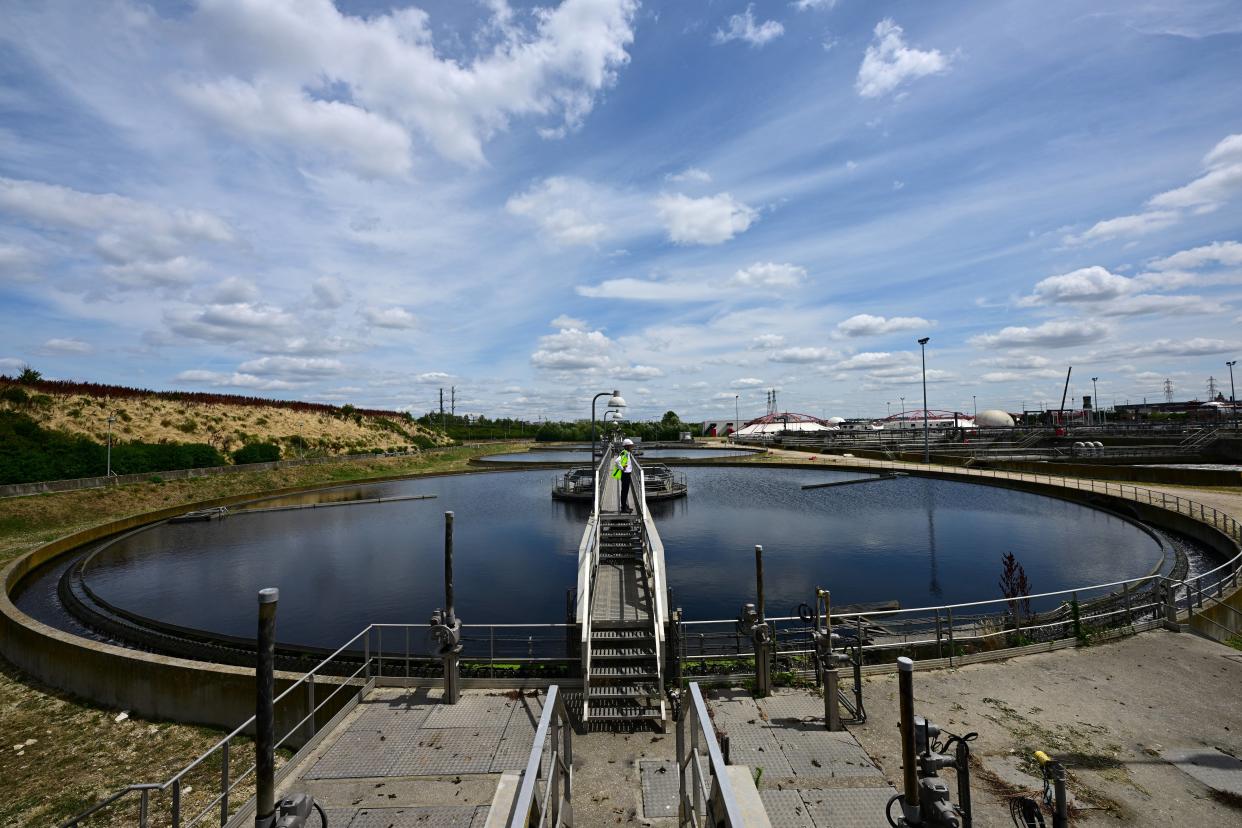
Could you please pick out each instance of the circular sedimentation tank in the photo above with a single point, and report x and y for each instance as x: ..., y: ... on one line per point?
x: 919, y: 541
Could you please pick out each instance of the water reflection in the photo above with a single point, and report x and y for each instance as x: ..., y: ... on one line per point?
x: 915, y: 540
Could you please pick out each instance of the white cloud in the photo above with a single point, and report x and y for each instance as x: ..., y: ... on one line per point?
x: 564, y: 208
x: 805, y: 5
x: 67, y: 347
x: 143, y: 244
x: 889, y: 62
x: 371, y: 144
x: 56, y: 206
x: 1142, y: 304
x: 394, y: 317
x: 1087, y: 284
x: 16, y: 261
x: 433, y: 377
x: 11, y: 366
x: 233, y: 290
x: 276, y: 58
x: 573, y: 350
x: 870, y: 360
x: 765, y: 342
x: 769, y: 275
x: 1195, y: 346
x: 1227, y: 253
x: 743, y: 27
x: 1057, y: 333
x: 564, y: 321
x: 708, y: 220
x: 1019, y: 376
x: 800, y: 355
x: 747, y: 382
x: 228, y: 323
x: 1139, y: 224
x: 1221, y: 181
x: 300, y: 368
x: 638, y: 372
x: 233, y: 380
x: 864, y: 324
x: 690, y: 175
x: 646, y: 290
x: 329, y: 292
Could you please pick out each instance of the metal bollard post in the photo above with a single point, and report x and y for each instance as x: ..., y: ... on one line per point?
x: 264, y: 713
x: 832, y: 699
x: 909, y: 772
x: 762, y: 636
x: 452, y: 671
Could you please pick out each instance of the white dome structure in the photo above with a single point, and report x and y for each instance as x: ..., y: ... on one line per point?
x: 993, y: 418
x: 835, y: 420
x: 781, y: 423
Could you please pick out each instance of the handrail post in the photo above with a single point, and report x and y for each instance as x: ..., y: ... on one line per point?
x: 224, y: 783
x: 264, y: 716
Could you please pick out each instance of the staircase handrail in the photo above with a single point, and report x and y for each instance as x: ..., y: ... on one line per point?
x: 555, y: 809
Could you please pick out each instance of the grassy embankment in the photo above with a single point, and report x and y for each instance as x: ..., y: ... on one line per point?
x: 227, y: 426
x: 59, y: 753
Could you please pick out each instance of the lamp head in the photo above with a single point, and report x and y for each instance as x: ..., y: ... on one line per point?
x: 616, y: 400
x: 925, y: 340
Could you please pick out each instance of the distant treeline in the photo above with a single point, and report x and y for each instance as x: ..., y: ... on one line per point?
x: 670, y: 427
x: 93, y: 389
x: 29, y: 453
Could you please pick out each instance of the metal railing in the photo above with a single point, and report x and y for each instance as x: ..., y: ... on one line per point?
x: 701, y: 804
x: 982, y: 629
x: 653, y: 565
x: 588, y: 565
x: 296, y: 704
x: 550, y: 803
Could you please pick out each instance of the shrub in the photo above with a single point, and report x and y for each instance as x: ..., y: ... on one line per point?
x: 187, y: 426
x: 15, y: 396
x: 257, y: 453
x: 29, y: 453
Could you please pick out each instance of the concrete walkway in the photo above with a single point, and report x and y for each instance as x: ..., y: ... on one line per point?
x: 403, y: 758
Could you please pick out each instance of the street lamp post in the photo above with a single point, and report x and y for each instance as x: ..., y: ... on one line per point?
x: 615, y: 403
x: 111, y: 420
x: 1233, y: 400
x: 736, y: 421
x: 974, y: 401
x: 1095, y: 400
x: 926, y: 447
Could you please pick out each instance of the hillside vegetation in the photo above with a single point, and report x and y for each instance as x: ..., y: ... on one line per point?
x: 58, y: 429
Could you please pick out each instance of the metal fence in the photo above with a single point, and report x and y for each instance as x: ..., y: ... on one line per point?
x: 984, y: 629
x: 706, y: 796
x: 550, y: 803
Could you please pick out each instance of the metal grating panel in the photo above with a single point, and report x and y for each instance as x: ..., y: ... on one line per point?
x: 848, y: 807
x: 660, y: 788
x: 472, y: 712
x: 449, y: 751
x: 431, y: 816
x: 357, y: 755
x: 786, y: 809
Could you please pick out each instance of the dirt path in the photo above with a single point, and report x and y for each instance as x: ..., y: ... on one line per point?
x: 1108, y: 712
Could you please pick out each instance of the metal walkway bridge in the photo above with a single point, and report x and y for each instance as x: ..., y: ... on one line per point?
x: 622, y: 605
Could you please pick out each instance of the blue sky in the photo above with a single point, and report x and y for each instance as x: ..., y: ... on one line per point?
x: 363, y: 202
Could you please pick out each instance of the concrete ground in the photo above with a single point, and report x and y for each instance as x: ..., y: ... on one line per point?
x: 1112, y: 713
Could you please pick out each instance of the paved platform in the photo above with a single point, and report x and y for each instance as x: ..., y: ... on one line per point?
x: 403, y: 758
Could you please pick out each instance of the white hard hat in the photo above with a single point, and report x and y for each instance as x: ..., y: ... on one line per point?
x: 627, y: 442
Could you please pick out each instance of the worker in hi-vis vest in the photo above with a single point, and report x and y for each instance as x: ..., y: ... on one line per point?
x: 622, y: 467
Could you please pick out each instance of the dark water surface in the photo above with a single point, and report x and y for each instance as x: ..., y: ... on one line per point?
x: 338, y: 569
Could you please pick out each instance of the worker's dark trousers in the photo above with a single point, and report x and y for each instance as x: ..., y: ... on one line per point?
x: 625, y: 492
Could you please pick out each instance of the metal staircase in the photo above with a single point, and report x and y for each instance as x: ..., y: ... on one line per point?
x: 624, y: 682
x: 621, y: 608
